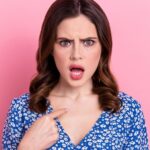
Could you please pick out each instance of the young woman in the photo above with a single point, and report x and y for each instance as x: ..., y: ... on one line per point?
x: 74, y: 101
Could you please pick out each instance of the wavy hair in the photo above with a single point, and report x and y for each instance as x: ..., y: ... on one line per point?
x: 104, y: 83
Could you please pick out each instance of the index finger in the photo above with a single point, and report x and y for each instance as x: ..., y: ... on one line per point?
x: 58, y: 113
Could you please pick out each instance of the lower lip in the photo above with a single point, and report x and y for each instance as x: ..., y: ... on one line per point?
x: 76, y: 75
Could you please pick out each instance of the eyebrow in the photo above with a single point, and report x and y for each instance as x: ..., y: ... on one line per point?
x: 64, y: 38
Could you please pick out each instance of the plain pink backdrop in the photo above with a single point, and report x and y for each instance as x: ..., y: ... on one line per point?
x: 20, y: 23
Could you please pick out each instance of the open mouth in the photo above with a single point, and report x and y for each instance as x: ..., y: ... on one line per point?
x: 76, y: 68
x: 76, y: 72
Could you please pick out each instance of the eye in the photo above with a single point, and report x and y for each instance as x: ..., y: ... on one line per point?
x: 65, y: 43
x: 88, y: 42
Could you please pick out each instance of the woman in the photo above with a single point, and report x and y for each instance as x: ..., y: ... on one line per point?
x: 74, y: 101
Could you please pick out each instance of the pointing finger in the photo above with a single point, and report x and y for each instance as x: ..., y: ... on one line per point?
x: 58, y: 112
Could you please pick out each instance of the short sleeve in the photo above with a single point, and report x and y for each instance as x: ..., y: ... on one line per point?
x: 137, y: 137
x: 13, y: 127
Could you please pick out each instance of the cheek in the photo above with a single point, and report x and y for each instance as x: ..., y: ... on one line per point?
x: 93, y: 61
x: 95, y: 57
x: 59, y: 54
x: 60, y: 59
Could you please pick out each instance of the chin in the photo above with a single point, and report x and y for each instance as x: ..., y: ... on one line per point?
x: 77, y: 83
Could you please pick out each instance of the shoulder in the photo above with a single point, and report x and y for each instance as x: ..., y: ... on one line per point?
x: 19, y: 109
x: 132, y: 119
x: 21, y: 101
x: 20, y: 104
x: 19, y: 119
x: 128, y: 102
x: 130, y: 110
x: 129, y: 116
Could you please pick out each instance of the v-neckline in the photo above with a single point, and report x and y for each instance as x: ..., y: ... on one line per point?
x: 86, y: 135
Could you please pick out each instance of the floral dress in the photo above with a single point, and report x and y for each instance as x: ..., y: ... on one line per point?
x: 123, y: 130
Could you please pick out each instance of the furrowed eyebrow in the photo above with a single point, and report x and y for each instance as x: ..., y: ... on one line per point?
x: 64, y: 38
x: 89, y: 38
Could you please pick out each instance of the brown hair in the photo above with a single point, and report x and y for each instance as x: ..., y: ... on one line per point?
x: 104, y: 83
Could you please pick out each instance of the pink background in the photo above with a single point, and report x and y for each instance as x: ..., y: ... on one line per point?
x: 20, y: 23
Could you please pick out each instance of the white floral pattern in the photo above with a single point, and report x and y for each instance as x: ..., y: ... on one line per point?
x: 124, y: 130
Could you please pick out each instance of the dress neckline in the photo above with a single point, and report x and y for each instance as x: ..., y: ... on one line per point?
x: 101, y: 115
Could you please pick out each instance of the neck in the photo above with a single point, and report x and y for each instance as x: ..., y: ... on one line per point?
x: 73, y: 92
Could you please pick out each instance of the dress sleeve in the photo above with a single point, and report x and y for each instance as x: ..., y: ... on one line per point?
x: 137, y: 137
x: 13, y: 127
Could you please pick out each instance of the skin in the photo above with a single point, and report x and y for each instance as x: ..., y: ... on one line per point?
x: 77, y: 43
x: 43, y: 133
x: 72, y: 41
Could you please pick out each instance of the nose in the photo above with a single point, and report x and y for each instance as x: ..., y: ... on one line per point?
x: 76, y: 52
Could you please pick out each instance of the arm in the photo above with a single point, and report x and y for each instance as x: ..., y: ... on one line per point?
x: 13, y: 127
x: 137, y: 137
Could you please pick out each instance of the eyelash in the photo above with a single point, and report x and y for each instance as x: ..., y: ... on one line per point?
x: 69, y: 41
x: 64, y: 41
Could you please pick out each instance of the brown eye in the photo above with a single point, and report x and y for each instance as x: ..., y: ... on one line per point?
x: 65, y: 43
x: 88, y: 42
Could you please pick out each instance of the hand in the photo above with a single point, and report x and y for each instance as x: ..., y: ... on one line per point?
x: 43, y: 133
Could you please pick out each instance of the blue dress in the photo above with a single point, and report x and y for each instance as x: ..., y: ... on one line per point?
x: 124, y: 130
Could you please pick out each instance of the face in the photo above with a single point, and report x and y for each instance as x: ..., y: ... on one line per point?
x: 76, y: 51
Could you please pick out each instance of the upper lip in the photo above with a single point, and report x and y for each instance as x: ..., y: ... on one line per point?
x: 76, y: 66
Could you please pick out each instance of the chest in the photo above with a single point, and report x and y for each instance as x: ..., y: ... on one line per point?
x: 79, y: 119
x: 99, y: 135
x: 78, y: 125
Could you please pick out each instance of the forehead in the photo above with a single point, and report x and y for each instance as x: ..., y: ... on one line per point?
x: 77, y: 26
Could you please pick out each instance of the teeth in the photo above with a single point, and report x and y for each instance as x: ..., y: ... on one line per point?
x: 76, y: 69
x: 76, y: 73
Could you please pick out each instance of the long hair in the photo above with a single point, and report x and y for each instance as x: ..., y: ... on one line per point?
x: 104, y: 83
